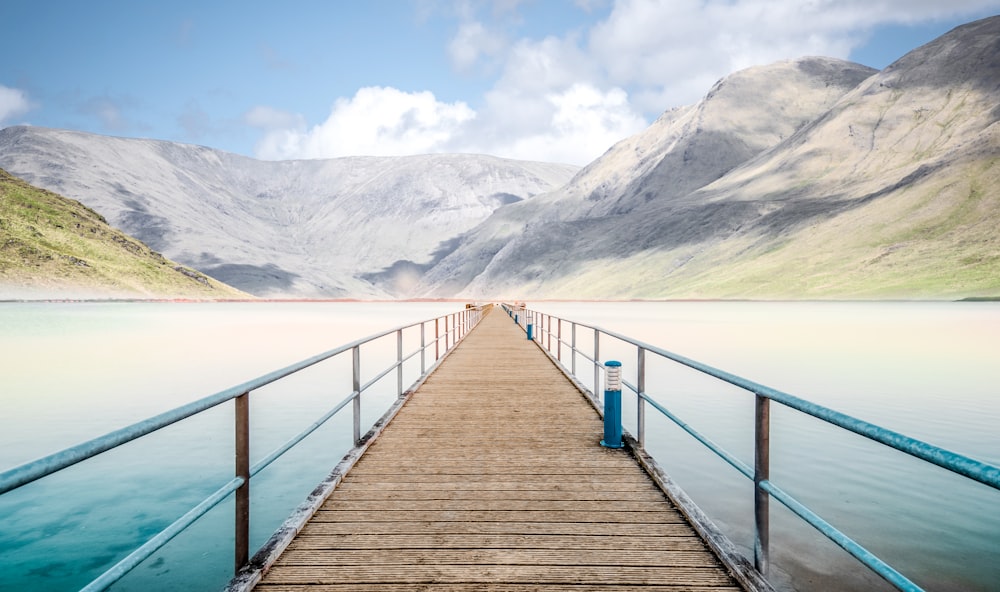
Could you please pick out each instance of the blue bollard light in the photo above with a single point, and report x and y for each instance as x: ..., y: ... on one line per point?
x: 612, y: 405
x: 530, y: 327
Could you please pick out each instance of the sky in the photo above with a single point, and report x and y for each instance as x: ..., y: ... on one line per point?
x: 547, y: 80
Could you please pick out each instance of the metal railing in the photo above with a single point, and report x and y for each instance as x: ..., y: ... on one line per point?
x: 449, y: 328
x: 544, y: 328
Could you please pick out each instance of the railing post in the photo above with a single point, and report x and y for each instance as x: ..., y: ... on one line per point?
x: 761, y: 471
x: 241, y: 544
x: 548, y: 331
x: 640, y: 409
x: 447, y: 334
x: 399, y: 362
x: 356, y: 355
x: 423, y: 350
x: 612, y: 405
x: 437, y: 339
x: 559, y: 342
x: 597, y: 363
x: 573, y: 347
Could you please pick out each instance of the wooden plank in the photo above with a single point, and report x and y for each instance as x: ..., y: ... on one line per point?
x: 600, y: 474
x: 394, y: 491
x: 576, y: 516
x: 499, y: 574
x: 487, y: 503
x: 312, y: 539
x: 297, y: 556
x: 481, y: 587
x: 504, y: 527
x: 519, y: 479
x: 491, y: 477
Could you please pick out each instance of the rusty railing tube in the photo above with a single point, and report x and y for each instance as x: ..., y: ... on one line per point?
x: 241, y: 541
x: 761, y: 472
x: 573, y: 348
x: 399, y: 361
x: 640, y: 408
x: 356, y: 388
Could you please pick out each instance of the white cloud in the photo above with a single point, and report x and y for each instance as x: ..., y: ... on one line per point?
x: 472, y: 43
x: 376, y: 121
x: 668, y: 53
x: 108, y: 111
x: 589, y: 5
x: 268, y: 118
x: 575, y: 125
x: 571, y: 95
x: 13, y: 103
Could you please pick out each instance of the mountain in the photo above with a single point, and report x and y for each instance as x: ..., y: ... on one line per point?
x: 534, y: 243
x: 359, y: 226
x: 51, y: 246
x: 887, y: 191
x: 810, y: 178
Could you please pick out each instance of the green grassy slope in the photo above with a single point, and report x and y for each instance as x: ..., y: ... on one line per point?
x: 935, y: 239
x: 51, y: 246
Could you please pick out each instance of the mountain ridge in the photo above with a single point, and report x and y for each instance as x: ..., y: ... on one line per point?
x: 299, y: 228
x: 808, y: 178
x: 886, y: 194
x: 54, y: 247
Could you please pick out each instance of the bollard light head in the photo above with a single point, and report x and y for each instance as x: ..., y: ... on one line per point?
x: 612, y: 375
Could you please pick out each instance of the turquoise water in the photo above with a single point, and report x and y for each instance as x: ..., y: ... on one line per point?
x: 75, y: 371
x: 72, y: 372
x: 928, y: 370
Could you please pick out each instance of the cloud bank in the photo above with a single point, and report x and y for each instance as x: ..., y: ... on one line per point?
x: 568, y: 98
x: 13, y: 103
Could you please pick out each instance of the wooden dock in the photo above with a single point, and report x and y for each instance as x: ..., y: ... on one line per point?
x: 491, y: 477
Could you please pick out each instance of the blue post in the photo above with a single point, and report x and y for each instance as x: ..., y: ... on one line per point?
x: 530, y: 327
x: 612, y: 405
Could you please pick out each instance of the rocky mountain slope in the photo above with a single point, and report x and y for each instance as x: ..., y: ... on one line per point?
x: 811, y: 178
x: 889, y: 190
x: 53, y: 247
x: 687, y: 148
x: 360, y: 226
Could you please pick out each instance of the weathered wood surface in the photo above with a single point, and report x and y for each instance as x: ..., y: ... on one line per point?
x: 492, y: 478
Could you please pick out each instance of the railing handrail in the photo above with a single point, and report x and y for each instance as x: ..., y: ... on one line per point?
x: 23, y: 474
x: 33, y: 470
x: 954, y: 462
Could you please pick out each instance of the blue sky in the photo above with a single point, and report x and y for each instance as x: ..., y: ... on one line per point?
x: 553, y: 80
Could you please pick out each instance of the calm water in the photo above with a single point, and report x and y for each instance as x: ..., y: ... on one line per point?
x: 928, y: 370
x: 75, y: 371
x: 72, y: 372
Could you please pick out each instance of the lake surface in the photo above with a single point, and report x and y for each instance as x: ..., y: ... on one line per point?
x: 74, y: 371
x: 928, y: 370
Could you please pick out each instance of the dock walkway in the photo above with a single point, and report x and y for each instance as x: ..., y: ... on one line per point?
x: 492, y: 477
